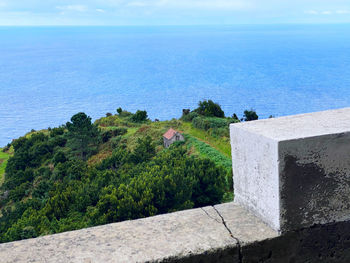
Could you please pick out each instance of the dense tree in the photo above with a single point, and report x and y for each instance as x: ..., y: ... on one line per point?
x: 59, y: 157
x: 139, y: 116
x: 235, y: 117
x: 250, y: 115
x: 144, y: 151
x: 57, y: 131
x: 210, y: 109
x: 82, y: 136
x: 190, y: 116
x: 185, y: 112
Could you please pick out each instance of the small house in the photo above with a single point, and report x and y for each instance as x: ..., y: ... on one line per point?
x: 172, y: 136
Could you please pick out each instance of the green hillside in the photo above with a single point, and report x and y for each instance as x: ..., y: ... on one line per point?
x: 198, y: 142
x: 84, y: 174
x: 4, y: 156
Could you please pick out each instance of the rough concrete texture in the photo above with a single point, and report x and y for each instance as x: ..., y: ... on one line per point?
x: 300, y: 126
x: 197, y: 235
x: 255, y: 174
x: 244, y: 226
x: 318, y: 244
x: 314, y: 180
x: 223, y: 233
x: 302, y: 162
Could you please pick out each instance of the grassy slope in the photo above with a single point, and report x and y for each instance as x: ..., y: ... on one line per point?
x: 200, y: 142
x: 222, y: 145
x: 206, y: 150
x: 4, y: 156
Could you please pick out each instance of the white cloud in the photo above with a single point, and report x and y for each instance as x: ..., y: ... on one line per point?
x: 175, y: 11
x: 327, y: 12
x: 343, y: 12
x: 74, y: 8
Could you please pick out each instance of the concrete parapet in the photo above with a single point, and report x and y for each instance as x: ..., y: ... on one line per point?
x: 198, y: 235
x: 223, y: 233
x: 294, y: 172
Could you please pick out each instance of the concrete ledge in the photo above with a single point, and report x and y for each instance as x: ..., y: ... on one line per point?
x: 198, y: 235
x: 223, y: 233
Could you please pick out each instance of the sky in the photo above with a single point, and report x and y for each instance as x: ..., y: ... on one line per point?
x: 171, y: 12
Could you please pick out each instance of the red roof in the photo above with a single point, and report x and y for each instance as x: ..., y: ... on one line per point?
x: 169, y: 134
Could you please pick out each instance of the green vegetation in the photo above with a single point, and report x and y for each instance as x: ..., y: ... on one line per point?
x: 139, y: 116
x: 82, y: 136
x: 85, y: 174
x: 250, y: 115
x: 221, y: 144
x: 210, y: 109
x: 5, y: 154
x: 205, y: 150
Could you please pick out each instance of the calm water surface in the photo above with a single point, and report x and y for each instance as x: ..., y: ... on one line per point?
x: 47, y: 74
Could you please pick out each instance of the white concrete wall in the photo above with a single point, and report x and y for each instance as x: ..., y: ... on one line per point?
x: 255, y: 174
x: 294, y: 172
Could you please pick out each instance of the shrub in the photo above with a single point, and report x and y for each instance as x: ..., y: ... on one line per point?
x: 119, y: 131
x: 189, y: 117
x: 125, y: 114
x: 59, y: 157
x: 115, y: 141
x: 201, y: 123
x: 250, y: 115
x: 206, y: 123
x: 6, y: 148
x: 210, y: 109
x: 56, y: 131
x: 220, y: 132
x: 82, y: 136
x: 235, y: 117
x: 107, y: 135
x: 185, y: 111
x: 58, y: 141
x: 139, y: 116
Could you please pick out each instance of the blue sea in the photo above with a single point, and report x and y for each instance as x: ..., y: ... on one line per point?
x: 47, y: 74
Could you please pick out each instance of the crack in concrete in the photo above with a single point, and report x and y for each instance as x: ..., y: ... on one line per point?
x: 210, y: 216
x: 240, y: 256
